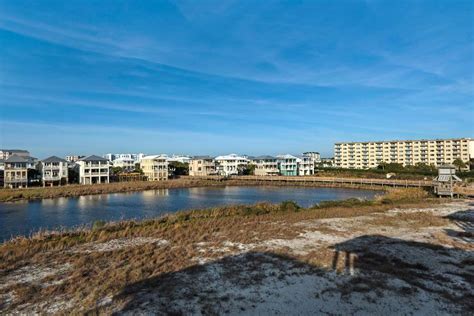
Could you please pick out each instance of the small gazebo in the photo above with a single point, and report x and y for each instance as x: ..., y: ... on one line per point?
x: 444, y: 182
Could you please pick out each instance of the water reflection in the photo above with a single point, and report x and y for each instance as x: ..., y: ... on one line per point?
x: 24, y: 217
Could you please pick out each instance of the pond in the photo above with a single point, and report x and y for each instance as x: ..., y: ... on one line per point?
x: 23, y: 218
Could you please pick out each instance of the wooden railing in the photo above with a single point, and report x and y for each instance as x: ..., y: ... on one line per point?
x: 327, y: 180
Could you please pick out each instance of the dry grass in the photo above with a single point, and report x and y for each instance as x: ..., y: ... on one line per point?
x: 413, y: 220
x: 94, y: 275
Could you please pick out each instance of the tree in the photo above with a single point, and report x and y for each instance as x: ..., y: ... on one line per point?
x: 459, y: 164
x: 178, y: 168
x: 116, y: 170
x: 138, y: 169
x: 247, y: 170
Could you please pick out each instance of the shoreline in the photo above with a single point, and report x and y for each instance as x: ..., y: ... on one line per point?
x: 77, y: 190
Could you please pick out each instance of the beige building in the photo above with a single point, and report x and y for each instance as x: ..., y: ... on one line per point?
x: 16, y: 172
x: 265, y: 166
x: 155, y: 167
x: 365, y: 155
x: 93, y: 169
x: 202, y: 166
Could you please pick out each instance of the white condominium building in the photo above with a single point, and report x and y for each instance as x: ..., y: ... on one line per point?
x: 155, y: 167
x: 93, y: 169
x: 202, y: 166
x: 365, y: 155
x: 265, y: 166
x: 230, y: 164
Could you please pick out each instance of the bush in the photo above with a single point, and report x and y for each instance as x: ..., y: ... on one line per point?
x: 98, y: 225
x: 289, y: 206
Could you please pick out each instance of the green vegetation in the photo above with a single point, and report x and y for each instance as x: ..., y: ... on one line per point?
x: 459, y: 164
x: 178, y: 168
x: 248, y: 170
x: 418, y: 172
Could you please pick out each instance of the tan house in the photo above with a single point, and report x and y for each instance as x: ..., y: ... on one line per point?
x: 16, y: 172
x: 202, y: 166
x: 265, y: 166
x: 54, y: 171
x: 155, y: 167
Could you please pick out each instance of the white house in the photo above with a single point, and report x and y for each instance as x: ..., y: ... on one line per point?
x: 124, y: 163
x: 93, y: 169
x: 54, y: 171
x: 230, y: 164
x: 305, y: 165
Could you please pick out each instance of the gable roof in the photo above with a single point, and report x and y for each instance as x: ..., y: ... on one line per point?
x: 16, y: 158
x: 202, y: 158
x: 93, y: 158
x: 53, y: 159
x: 264, y: 157
x: 15, y: 151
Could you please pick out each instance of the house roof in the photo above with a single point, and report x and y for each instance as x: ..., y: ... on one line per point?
x: 230, y: 157
x: 264, y: 157
x: 202, y: 157
x: 155, y: 157
x: 16, y: 158
x: 14, y: 150
x: 93, y: 158
x: 53, y: 159
x: 287, y: 156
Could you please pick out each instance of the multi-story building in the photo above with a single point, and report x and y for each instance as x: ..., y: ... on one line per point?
x: 314, y: 155
x: 364, y: 155
x: 326, y: 163
x: 73, y: 158
x: 288, y: 165
x: 127, y: 164
x: 155, y: 167
x: 5, y: 153
x: 202, y: 166
x: 54, y: 171
x: 93, y: 169
x: 230, y: 164
x: 179, y: 158
x: 265, y: 166
x: 306, y: 165
x: 16, y: 172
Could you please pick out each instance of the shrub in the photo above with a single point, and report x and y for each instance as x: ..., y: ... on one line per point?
x: 98, y: 225
x: 289, y: 206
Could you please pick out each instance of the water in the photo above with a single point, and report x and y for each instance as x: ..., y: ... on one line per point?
x: 23, y: 218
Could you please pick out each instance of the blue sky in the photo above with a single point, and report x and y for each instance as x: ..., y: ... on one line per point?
x: 252, y: 77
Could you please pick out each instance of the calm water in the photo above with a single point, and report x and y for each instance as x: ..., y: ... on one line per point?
x: 22, y: 218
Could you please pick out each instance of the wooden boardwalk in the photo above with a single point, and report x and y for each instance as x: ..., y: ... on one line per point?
x: 327, y: 180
